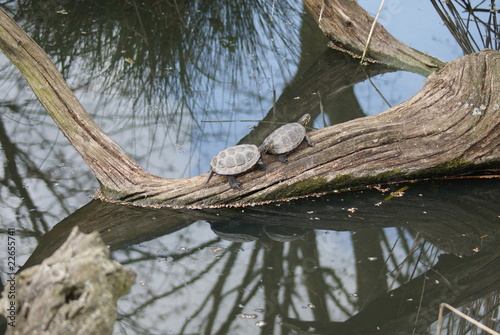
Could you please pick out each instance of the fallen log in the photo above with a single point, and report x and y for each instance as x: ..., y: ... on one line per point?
x: 451, y: 126
x: 74, y: 291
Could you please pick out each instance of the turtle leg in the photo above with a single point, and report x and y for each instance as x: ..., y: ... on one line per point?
x: 282, y: 158
x: 309, y: 142
x: 233, y: 182
x: 261, y: 165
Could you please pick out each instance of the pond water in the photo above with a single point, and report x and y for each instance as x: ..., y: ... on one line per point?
x: 175, y: 84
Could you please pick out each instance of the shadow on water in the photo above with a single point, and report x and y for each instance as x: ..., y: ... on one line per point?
x: 405, y: 252
x: 358, y: 262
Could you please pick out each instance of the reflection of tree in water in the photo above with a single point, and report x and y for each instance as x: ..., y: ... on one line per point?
x: 271, y: 282
x: 151, y: 52
x: 350, y: 272
x: 23, y: 165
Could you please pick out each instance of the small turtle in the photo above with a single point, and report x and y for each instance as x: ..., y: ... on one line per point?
x: 235, y: 160
x: 286, y: 138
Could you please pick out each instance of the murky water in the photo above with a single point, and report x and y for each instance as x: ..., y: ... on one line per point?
x: 173, y: 85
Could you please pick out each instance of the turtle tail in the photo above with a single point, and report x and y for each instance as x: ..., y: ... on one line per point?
x: 210, y: 173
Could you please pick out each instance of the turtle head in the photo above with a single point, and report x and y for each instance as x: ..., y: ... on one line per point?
x: 304, y: 119
x: 265, y: 147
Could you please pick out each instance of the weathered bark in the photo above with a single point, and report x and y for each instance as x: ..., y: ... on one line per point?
x: 450, y: 126
x: 74, y: 291
x: 347, y: 25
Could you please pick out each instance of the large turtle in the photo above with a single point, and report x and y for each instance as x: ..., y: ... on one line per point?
x: 286, y: 138
x: 235, y: 160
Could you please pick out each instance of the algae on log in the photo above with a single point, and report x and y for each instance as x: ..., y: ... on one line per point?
x: 347, y: 25
x: 450, y: 126
x: 74, y: 291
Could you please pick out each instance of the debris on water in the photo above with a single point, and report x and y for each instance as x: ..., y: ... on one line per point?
x: 216, y: 249
x: 247, y: 316
x: 259, y: 310
x: 398, y: 193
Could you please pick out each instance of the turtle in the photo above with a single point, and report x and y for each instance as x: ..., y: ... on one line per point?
x: 286, y: 138
x: 235, y: 160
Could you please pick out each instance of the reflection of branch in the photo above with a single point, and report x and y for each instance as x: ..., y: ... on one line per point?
x: 12, y: 174
x: 452, y: 279
x: 173, y: 290
x: 242, y: 288
x: 175, y: 256
x: 215, y: 294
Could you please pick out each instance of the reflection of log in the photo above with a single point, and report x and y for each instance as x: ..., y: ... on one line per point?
x: 450, y: 126
x: 72, y: 292
x: 331, y: 78
x: 118, y: 226
x: 347, y: 25
x: 456, y: 222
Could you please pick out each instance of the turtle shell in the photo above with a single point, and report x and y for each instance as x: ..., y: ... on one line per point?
x: 234, y: 160
x: 285, y: 138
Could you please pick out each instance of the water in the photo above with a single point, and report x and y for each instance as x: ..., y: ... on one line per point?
x: 173, y: 86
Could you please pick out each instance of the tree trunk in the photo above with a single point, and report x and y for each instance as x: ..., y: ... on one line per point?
x: 451, y: 126
x: 74, y: 291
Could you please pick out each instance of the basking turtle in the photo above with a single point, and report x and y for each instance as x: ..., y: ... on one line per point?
x: 235, y: 160
x: 286, y: 138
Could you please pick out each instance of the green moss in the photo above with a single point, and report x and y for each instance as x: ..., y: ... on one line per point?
x: 449, y: 168
x: 307, y: 186
x: 340, y: 182
x: 453, y: 165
